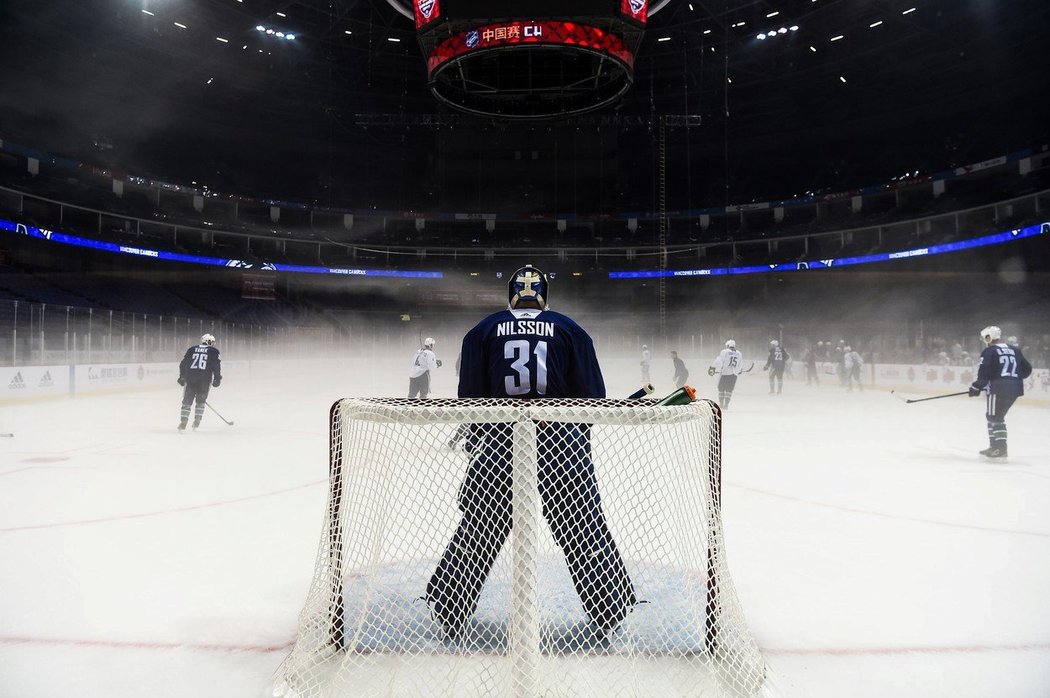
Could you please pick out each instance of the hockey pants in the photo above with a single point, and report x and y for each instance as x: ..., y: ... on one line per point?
x: 572, y: 507
x: 189, y: 393
x: 726, y: 384
x: 996, y: 408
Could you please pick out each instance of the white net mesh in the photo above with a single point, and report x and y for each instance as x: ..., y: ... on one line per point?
x: 606, y: 577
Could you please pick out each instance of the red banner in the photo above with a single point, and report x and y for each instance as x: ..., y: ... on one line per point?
x: 638, y: 10
x: 426, y: 11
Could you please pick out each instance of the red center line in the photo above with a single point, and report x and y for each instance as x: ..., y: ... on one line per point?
x: 878, y: 651
x: 836, y: 507
x: 60, y: 524
x: 143, y: 645
x: 771, y: 651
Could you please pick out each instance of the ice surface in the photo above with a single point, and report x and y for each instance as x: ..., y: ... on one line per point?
x: 874, y: 553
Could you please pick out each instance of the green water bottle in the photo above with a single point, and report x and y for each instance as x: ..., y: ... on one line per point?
x: 682, y: 396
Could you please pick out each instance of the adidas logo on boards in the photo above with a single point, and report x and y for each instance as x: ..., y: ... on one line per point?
x: 16, y: 383
x: 45, y: 380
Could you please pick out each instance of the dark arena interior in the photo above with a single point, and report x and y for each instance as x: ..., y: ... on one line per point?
x: 322, y: 184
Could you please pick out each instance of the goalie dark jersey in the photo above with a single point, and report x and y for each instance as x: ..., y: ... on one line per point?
x: 529, y: 353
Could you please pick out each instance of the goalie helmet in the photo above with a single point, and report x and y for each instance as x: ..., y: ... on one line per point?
x: 527, y: 288
x: 991, y: 333
x: 428, y: 342
x: 208, y: 339
x: 730, y: 344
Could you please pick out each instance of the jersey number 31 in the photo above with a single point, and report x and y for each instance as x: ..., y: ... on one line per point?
x: 520, y: 382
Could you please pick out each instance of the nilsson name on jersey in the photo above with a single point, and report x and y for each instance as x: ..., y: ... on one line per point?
x: 536, y: 327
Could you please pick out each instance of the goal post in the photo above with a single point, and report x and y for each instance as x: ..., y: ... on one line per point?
x: 550, y: 547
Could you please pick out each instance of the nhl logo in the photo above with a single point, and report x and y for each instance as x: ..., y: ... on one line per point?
x: 427, y: 6
x: 637, y: 6
x: 472, y: 38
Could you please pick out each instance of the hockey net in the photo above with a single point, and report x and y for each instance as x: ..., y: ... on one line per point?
x: 608, y: 574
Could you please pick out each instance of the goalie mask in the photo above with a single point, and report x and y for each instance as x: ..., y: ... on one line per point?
x: 991, y: 333
x: 527, y: 289
x: 207, y: 339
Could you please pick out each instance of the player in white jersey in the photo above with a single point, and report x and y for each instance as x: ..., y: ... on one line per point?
x: 422, y: 364
x: 730, y: 363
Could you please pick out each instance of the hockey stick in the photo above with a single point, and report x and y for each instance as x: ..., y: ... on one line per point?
x: 641, y: 392
x: 748, y: 369
x: 217, y: 413
x: 924, y: 399
x: 7, y: 436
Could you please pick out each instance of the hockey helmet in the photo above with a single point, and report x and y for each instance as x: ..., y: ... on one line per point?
x: 527, y: 288
x: 730, y: 344
x: 774, y: 343
x: 428, y: 342
x: 208, y: 339
x: 848, y: 348
x: 991, y: 333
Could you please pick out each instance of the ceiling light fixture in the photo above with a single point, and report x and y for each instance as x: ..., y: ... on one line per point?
x: 180, y: 26
x: 836, y: 38
x: 874, y: 24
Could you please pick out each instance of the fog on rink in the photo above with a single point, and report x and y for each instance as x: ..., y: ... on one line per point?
x: 874, y: 553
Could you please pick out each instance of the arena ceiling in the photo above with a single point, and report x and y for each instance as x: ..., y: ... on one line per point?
x: 163, y: 84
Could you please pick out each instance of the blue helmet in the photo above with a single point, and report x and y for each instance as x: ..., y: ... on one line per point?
x: 527, y: 288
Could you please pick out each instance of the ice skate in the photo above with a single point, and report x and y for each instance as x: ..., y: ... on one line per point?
x: 995, y: 454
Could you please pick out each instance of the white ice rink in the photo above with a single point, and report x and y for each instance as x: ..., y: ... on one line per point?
x: 874, y: 553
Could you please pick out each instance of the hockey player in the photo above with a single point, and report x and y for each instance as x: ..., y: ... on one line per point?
x: 528, y: 351
x: 730, y: 363
x: 775, y: 362
x: 852, y: 363
x: 422, y: 364
x: 681, y: 373
x: 1002, y: 370
x: 199, y: 369
x: 647, y: 358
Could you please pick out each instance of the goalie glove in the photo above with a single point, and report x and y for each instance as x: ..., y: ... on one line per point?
x: 181, y: 380
x: 711, y: 371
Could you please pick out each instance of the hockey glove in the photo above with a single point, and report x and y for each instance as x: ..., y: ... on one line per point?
x: 974, y: 391
x: 181, y: 381
x: 438, y: 362
x: 215, y: 383
x: 711, y: 371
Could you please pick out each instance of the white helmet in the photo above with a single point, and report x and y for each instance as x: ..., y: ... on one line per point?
x: 991, y: 333
x: 848, y: 348
x: 774, y: 342
x: 208, y: 339
x: 730, y: 344
x: 428, y: 342
x: 644, y: 346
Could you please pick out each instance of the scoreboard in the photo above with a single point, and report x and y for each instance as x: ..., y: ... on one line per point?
x: 506, y: 58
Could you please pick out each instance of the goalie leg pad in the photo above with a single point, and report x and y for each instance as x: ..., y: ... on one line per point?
x: 485, y: 500
x: 573, y: 509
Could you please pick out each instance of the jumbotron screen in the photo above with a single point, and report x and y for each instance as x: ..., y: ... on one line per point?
x: 430, y: 11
